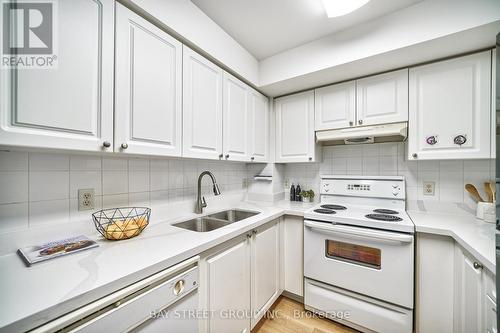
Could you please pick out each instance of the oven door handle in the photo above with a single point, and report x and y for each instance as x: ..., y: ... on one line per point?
x: 359, y: 232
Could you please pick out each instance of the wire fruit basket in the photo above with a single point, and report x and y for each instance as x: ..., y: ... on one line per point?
x: 121, y: 223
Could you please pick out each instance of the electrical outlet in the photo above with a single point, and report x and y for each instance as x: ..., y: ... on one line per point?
x: 86, y: 199
x: 429, y: 188
x: 287, y: 183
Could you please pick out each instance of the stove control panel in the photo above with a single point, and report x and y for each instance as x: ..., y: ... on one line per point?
x: 358, y: 187
x: 376, y: 187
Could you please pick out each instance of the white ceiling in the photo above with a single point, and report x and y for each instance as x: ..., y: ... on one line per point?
x: 268, y: 27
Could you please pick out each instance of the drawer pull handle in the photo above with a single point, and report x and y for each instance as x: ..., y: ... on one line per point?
x: 477, y: 265
x: 179, y: 287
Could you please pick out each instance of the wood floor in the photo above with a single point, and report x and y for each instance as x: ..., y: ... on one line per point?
x: 286, y: 320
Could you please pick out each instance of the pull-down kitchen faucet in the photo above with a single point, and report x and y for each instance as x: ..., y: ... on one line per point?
x: 200, y: 200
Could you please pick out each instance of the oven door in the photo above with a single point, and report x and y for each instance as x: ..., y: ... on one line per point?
x: 371, y: 262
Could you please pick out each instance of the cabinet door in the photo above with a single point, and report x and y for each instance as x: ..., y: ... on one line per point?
x: 71, y: 106
x: 335, y: 106
x: 259, y: 127
x: 449, y: 102
x: 293, y: 256
x: 468, y: 295
x: 295, y: 140
x: 236, y: 133
x: 202, y: 107
x: 229, y: 288
x: 148, y: 87
x: 383, y: 98
x: 265, y: 269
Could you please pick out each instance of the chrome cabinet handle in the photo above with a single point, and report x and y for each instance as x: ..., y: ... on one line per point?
x: 431, y: 140
x: 124, y: 146
x: 477, y: 265
x: 252, y: 158
x: 249, y: 235
x: 360, y: 122
x: 227, y: 156
x: 414, y: 155
x: 351, y: 123
x: 310, y: 158
x: 106, y: 144
x: 460, y: 140
x: 221, y: 155
x: 254, y: 232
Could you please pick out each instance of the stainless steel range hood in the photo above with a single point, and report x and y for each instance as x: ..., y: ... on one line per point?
x: 396, y: 132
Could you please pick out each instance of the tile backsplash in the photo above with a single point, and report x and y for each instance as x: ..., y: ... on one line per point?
x: 40, y: 188
x: 390, y: 159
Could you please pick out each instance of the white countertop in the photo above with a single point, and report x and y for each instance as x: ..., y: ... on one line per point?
x: 458, y: 222
x: 34, y: 295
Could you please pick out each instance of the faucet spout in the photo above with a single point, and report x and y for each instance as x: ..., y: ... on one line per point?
x: 200, y: 200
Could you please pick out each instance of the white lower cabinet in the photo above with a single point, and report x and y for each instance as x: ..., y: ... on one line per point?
x: 293, y: 255
x: 148, y: 99
x: 468, y: 293
x: 227, y: 287
x: 265, y: 269
x: 475, y: 295
x: 240, y: 280
x: 454, y: 292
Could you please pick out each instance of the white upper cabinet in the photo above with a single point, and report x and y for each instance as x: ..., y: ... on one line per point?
x: 335, y: 106
x: 295, y: 141
x: 383, y: 98
x: 259, y: 127
x: 450, y: 109
x: 236, y: 129
x: 202, y: 107
x: 71, y: 106
x: 148, y: 88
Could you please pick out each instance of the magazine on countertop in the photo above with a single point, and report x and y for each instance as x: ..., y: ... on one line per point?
x: 37, y: 253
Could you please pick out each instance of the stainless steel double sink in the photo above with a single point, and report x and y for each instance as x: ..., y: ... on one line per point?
x: 216, y: 220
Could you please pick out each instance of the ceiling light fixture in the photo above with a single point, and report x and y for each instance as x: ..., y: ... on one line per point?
x: 335, y: 8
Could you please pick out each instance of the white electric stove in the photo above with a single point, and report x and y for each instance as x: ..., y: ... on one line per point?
x: 359, y: 253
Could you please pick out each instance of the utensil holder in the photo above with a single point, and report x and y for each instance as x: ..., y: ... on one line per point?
x: 486, y: 211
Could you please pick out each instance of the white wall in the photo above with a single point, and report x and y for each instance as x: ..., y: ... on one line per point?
x: 425, y: 31
x: 188, y: 21
x: 41, y: 188
x: 390, y: 159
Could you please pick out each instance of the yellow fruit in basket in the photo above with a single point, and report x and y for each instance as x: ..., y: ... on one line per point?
x: 142, y: 221
x: 130, y: 228
x: 114, y: 231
